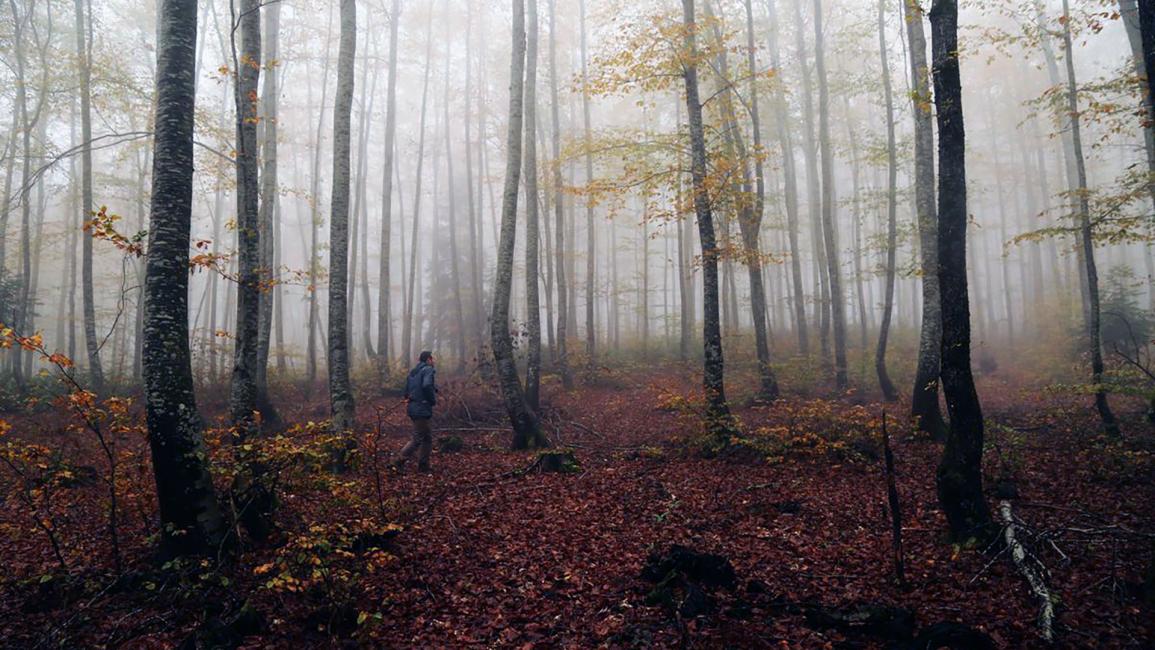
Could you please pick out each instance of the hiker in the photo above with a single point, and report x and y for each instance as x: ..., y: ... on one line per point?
x: 421, y: 395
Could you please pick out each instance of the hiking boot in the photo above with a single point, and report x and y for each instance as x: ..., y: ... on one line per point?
x: 424, y: 469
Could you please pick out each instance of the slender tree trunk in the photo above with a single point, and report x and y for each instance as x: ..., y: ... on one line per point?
x: 924, y: 404
x: 408, y: 325
x: 268, y: 199
x: 959, y: 478
x: 718, y: 419
x: 837, y: 304
x: 384, y: 288
x: 559, y: 209
x: 790, y: 187
x: 340, y: 391
x: 315, y: 219
x: 83, y: 54
x: 454, y: 266
x: 190, y: 518
x: 1094, y: 343
x: 887, y: 386
x: 526, y: 432
x: 532, y: 237
x: 813, y: 188
x: 247, y: 66
x: 591, y: 333
x: 476, y: 235
x: 750, y: 222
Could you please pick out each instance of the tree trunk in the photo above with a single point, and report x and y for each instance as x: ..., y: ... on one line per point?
x: 315, y: 204
x: 1094, y: 343
x: 591, y: 333
x: 924, y: 406
x: 384, y: 288
x: 407, y: 326
x: 532, y: 237
x: 790, y: 188
x: 959, y: 478
x: 718, y: 419
x: 887, y: 386
x: 190, y: 519
x: 268, y: 199
x: 247, y: 67
x: 834, y: 270
x: 83, y: 54
x: 340, y: 390
x: 813, y: 189
x: 750, y: 222
x: 454, y: 266
x: 526, y: 432
x: 559, y: 209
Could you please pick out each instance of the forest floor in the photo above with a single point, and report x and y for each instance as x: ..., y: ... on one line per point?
x: 482, y: 553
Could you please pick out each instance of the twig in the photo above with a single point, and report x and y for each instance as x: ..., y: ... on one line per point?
x: 1038, y: 585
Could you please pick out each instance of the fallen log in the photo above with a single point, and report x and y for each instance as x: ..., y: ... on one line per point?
x: 1034, y: 579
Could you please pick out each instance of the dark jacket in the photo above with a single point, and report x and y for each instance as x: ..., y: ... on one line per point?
x: 421, y: 391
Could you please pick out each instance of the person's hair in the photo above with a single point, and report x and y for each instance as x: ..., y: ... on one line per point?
x: 425, y: 356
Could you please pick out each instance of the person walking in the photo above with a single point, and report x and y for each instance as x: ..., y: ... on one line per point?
x: 421, y: 396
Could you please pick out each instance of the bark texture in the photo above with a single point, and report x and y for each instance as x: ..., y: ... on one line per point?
x: 959, y: 479
x: 340, y: 390
x: 190, y: 518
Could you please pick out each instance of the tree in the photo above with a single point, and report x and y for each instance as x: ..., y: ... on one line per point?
x: 790, y: 187
x: 750, y: 223
x: 190, y: 517
x: 1086, y: 236
x: 591, y: 334
x: 884, y: 382
x: 83, y: 55
x: 407, y: 326
x: 246, y: 70
x: 719, y: 421
x: 526, y: 431
x: 924, y: 406
x: 834, y: 270
x: 959, y: 479
x: 341, y: 404
x: 559, y: 208
x: 268, y: 199
x: 384, y: 316
x: 532, y: 241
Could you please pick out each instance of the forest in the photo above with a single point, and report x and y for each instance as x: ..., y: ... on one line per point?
x: 577, y: 323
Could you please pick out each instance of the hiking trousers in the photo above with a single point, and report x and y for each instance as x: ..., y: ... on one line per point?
x: 420, y: 444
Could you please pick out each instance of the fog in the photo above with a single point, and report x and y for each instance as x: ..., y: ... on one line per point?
x: 452, y: 90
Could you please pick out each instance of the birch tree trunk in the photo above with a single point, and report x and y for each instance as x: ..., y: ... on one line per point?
x: 190, y: 518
